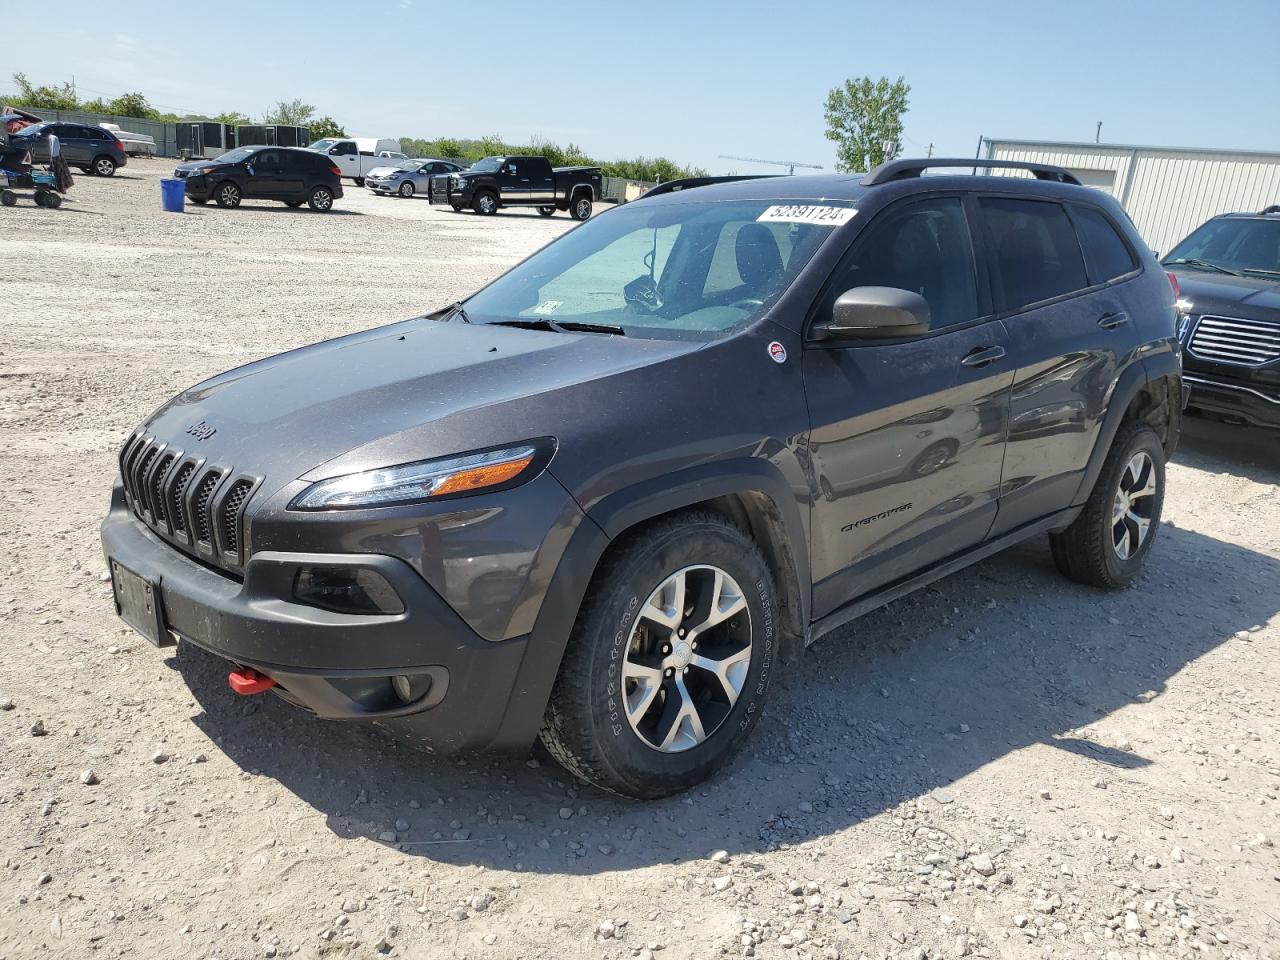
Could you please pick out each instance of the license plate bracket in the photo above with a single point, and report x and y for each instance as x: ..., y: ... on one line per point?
x: 139, y: 604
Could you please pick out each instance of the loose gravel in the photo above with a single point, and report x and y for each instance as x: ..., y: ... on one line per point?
x: 1002, y: 765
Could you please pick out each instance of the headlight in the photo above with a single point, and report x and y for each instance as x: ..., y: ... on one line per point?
x: 487, y: 471
x: 206, y: 170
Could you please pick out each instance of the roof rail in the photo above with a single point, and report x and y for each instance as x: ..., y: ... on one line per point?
x: 904, y: 169
x: 684, y: 183
x: 1274, y: 208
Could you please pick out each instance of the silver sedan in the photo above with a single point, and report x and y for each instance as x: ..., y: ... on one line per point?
x: 407, y: 177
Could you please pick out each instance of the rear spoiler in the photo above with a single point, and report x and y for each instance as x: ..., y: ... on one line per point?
x: 686, y: 183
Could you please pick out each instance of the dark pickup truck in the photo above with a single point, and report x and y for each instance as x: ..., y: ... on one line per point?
x: 496, y: 182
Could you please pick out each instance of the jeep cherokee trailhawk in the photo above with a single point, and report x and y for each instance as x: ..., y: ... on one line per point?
x: 602, y: 499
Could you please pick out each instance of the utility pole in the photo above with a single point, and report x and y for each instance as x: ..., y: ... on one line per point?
x: 1097, y: 134
x: 930, y: 151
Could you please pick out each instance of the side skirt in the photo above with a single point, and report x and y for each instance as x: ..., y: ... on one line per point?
x: 878, y: 598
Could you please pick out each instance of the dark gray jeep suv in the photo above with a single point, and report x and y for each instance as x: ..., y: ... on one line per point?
x: 603, y: 499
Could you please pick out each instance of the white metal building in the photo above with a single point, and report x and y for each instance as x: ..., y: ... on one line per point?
x: 1167, y: 191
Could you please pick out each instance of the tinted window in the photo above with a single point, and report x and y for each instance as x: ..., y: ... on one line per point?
x: 1035, y: 252
x: 1105, y: 253
x: 267, y: 161
x: 923, y: 247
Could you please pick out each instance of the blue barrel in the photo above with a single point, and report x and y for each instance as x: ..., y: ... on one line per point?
x: 173, y: 194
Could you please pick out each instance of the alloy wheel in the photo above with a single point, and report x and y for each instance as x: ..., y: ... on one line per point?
x: 1131, y: 510
x: 687, y: 658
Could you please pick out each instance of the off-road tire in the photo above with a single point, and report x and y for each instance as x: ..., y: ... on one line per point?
x: 227, y: 195
x: 585, y: 727
x: 479, y: 205
x: 1084, y: 552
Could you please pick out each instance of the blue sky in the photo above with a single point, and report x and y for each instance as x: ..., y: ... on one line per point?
x: 687, y: 80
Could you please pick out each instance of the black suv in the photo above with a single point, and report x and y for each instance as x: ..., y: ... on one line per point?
x: 291, y: 175
x: 92, y: 149
x: 1228, y: 272
x: 602, y: 499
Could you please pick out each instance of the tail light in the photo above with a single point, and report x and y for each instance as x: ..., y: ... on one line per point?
x: 333, y: 168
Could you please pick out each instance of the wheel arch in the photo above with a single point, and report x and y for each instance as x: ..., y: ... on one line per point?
x: 752, y: 493
x: 1149, y: 390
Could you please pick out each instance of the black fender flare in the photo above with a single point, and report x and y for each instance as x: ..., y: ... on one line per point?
x: 1131, y: 381
x: 600, y: 527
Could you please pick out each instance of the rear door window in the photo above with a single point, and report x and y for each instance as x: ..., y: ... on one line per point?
x: 1034, y: 251
x: 1106, y: 254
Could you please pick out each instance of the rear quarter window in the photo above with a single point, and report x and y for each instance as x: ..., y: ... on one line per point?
x: 1106, y: 255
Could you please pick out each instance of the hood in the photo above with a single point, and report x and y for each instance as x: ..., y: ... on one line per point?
x: 1212, y: 292
x: 192, y: 166
x: 384, y: 171
x: 410, y: 391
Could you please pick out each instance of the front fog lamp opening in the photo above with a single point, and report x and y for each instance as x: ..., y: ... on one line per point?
x: 487, y: 470
x: 346, y: 590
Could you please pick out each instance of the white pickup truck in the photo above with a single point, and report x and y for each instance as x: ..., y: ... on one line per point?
x: 356, y: 156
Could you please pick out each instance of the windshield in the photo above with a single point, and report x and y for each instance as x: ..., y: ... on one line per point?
x: 409, y: 165
x: 236, y: 155
x: 34, y: 130
x: 677, y: 271
x: 487, y: 165
x: 1237, y: 245
x: 322, y: 145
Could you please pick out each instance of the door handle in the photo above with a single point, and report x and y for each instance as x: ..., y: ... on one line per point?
x: 982, y: 356
x: 1109, y: 321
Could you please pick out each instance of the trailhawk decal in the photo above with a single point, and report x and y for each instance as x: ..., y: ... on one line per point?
x: 822, y: 216
x: 778, y: 352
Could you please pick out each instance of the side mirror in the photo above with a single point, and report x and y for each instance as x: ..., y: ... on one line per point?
x: 876, y: 313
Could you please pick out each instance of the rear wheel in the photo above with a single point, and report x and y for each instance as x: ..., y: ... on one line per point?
x: 53, y: 200
x: 546, y: 211
x: 104, y: 166
x: 294, y: 203
x: 227, y: 195
x: 670, y: 659
x: 8, y: 198
x: 580, y: 207
x: 406, y: 189
x: 485, y: 203
x: 1107, y: 545
x: 359, y: 181
x: 321, y: 199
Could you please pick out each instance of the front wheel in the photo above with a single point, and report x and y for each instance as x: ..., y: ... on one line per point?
x: 321, y: 199
x: 546, y: 211
x: 406, y: 189
x: 227, y: 196
x: 485, y: 204
x: 669, y: 661
x: 581, y: 207
x: 1108, y: 543
x: 294, y: 204
x: 8, y: 198
x: 457, y: 207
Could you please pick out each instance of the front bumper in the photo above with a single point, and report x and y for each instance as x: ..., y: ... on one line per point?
x: 337, y: 665
x: 1258, y: 405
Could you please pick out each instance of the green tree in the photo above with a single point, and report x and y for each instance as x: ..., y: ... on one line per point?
x: 864, y: 118
x: 60, y: 97
x: 233, y: 117
x: 132, y: 105
x: 293, y: 113
x: 326, y: 126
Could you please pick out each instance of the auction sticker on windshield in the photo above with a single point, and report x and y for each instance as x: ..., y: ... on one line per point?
x: 807, y: 213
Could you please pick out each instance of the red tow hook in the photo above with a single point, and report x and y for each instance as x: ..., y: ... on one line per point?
x: 247, y: 681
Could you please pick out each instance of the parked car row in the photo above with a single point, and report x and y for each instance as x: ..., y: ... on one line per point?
x: 94, y: 150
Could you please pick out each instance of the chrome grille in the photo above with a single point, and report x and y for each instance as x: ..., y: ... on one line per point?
x: 1245, y: 343
x: 195, y: 506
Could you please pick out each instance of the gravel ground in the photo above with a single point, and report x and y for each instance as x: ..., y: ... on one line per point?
x: 1002, y: 765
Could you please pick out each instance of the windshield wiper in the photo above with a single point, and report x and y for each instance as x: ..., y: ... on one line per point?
x: 456, y: 309
x: 560, y: 326
x: 1197, y: 262
x: 1250, y: 271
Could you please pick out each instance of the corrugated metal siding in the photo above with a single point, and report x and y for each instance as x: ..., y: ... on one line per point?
x: 1168, y: 193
